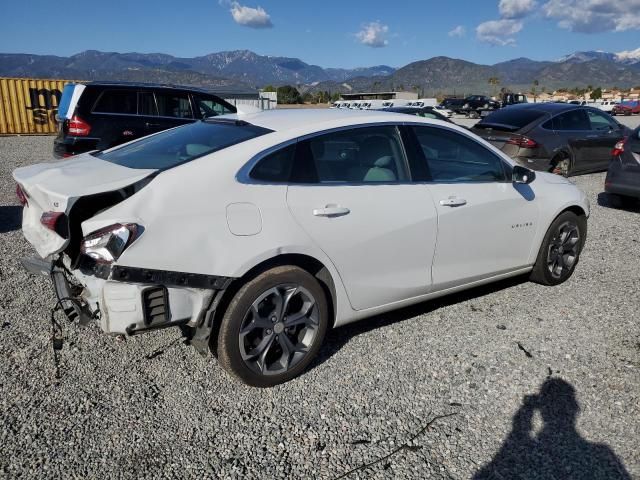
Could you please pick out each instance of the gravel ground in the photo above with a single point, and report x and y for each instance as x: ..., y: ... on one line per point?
x: 543, y: 382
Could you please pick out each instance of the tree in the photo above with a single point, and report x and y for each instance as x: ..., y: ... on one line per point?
x: 288, y: 94
x: 269, y: 88
x: 494, y: 81
x: 533, y: 90
x: 596, y: 94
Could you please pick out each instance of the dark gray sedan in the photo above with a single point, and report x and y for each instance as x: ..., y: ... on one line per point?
x: 623, y: 175
x: 561, y: 138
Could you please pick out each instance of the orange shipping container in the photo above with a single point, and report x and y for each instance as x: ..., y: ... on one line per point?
x: 29, y: 105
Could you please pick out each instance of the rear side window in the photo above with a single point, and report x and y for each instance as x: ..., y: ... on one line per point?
x: 275, y: 167
x: 453, y: 158
x: 174, y: 105
x: 180, y: 145
x: 572, y: 120
x: 510, y: 119
x: 359, y: 155
x: 117, y: 101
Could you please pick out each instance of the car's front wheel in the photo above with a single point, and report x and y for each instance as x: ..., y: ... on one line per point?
x: 273, y: 327
x: 560, y: 249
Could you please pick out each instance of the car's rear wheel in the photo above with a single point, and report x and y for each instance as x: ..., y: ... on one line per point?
x: 273, y: 327
x: 560, y: 249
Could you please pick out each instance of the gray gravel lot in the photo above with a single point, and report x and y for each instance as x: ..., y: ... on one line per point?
x: 151, y: 407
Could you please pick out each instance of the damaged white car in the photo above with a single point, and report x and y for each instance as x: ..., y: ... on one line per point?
x: 256, y: 233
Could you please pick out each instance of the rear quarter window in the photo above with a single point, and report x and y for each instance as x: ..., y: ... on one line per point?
x: 174, y: 147
x: 117, y: 101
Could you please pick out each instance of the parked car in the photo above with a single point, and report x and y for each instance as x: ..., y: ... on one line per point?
x: 423, y: 102
x: 470, y: 105
x: 606, y: 105
x: 556, y: 137
x: 626, y: 108
x: 426, y: 112
x: 443, y: 111
x: 98, y: 115
x: 396, y: 102
x: 623, y: 175
x: 292, y: 222
x: 371, y: 104
x: 506, y: 99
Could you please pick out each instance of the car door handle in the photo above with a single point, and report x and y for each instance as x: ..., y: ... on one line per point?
x: 152, y: 124
x: 453, y: 202
x: 331, y: 211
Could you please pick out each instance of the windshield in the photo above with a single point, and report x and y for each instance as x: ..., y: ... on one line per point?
x: 183, y: 144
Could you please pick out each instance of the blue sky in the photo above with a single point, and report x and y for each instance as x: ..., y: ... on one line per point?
x: 329, y: 33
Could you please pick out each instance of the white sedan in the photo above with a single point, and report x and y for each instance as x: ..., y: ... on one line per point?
x: 444, y: 111
x: 256, y: 233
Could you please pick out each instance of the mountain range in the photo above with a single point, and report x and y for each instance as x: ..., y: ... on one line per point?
x: 245, y: 70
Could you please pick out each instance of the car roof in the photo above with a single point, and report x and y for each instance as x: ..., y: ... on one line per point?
x: 548, y: 107
x: 314, y: 119
x: 164, y: 86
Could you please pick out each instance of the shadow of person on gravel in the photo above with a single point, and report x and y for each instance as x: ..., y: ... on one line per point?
x: 557, y: 451
x: 617, y: 202
x: 338, y: 337
x: 10, y: 218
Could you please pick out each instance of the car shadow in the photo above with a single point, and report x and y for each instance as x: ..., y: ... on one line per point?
x: 10, y: 218
x: 619, y: 203
x: 555, y: 449
x: 338, y: 337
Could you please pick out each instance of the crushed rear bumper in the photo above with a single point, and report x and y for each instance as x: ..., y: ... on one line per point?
x: 128, y: 300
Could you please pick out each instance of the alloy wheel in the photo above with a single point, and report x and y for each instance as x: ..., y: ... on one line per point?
x: 279, y: 329
x: 563, y: 250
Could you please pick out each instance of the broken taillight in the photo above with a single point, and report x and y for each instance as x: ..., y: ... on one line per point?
x: 522, y: 142
x: 107, y: 244
x: 56, y: 222
x: 618, y: 149
x: 78, y: 127
x: 23, y: 198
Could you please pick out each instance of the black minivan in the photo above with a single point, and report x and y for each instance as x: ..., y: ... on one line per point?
x: 98, y: 115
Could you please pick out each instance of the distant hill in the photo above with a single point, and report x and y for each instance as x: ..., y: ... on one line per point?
x: 243, y: 69
x: 440, y: 75
x: 242, y: 66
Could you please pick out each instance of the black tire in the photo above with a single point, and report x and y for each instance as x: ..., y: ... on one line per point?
x: 545, y: 271
x: 236, y: 348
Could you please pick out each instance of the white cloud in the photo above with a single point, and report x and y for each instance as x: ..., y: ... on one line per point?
x: 498, y: 32
x: 374, y: 35
x: 459, y: 31
x: 516, y: 8
x: 593, y: 16
x: 249, y: 16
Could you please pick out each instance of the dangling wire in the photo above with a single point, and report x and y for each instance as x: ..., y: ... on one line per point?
x: 57, y: 338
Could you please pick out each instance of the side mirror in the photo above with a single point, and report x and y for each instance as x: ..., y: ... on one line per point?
x: 522, y: 175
